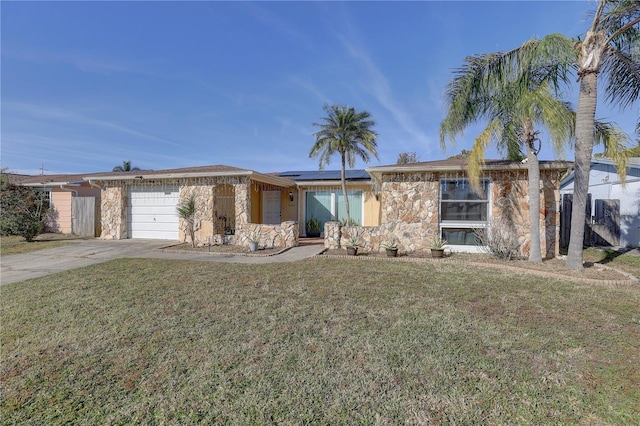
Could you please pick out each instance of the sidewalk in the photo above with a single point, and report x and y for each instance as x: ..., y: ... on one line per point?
x: 81, y: 253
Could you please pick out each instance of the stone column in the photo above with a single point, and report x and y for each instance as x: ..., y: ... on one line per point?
x: 204, y: 217
x: 289, y: 233
x: 332, y: 235
x: 243, y: 201
x: 114, y: 212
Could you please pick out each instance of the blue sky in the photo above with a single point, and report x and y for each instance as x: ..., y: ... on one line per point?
x: 86, y: 85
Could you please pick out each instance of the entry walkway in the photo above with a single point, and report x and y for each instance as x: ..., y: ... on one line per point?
x: 81, y: 253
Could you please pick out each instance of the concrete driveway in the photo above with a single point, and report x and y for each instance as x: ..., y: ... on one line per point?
x: 80, y: 253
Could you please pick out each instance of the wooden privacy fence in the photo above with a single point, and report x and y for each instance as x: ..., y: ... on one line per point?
x: 606, y: 223
x: 604, y: 230
x: 85, y: 216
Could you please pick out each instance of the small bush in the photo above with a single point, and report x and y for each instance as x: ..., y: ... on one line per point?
x: 499, y: 240
x: 350, y: 222
x: 23, y: 211
x: 187, y: 211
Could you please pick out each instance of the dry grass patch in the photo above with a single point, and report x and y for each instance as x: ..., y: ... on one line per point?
x: 599, y: 264
x: 11, y: 244
x: 321, y: 341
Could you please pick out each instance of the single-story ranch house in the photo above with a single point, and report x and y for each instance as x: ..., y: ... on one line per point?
x: 412, y: 203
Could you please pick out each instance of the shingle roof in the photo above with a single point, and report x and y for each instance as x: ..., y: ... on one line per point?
x: 184, y: 170
x: 53, y: 179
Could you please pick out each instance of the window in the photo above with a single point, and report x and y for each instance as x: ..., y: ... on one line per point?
x: 46, y: 196
x: 462, y: 210
x: 329, y: 205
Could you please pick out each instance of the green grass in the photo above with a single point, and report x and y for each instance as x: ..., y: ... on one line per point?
x: 11, y: 244
x: 623, y: 261
x: 323, y: 341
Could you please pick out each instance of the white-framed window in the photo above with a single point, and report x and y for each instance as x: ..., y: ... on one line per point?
x: 462, y: 210
x: 47, y: 196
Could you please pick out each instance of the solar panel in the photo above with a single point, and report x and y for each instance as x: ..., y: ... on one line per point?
x: 325, y: 175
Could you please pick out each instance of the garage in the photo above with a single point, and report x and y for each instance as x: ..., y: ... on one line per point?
x: 151, y: 212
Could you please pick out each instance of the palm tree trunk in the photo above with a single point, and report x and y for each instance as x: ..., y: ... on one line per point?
x: 534, y: 200
x: 343, y: 179
x: 585, y: 118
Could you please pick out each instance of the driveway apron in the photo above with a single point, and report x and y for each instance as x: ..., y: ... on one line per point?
x: 80, y: 253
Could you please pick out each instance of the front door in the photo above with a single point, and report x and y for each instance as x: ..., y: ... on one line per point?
x: 271, y: 207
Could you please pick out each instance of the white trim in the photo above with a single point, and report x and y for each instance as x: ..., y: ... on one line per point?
x: 465, y: 224
x: 135, y: 176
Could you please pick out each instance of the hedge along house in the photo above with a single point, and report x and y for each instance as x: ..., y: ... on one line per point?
x: 422, y: 200
x: 321, y: 198
x: 74, y: 203
x: 232, y: 204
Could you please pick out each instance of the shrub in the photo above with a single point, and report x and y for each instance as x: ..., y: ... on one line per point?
x: 313, y: 226
x: 350, y: 222
x: 23, y: 211
x: 187, y: 211
x: 499, y: 240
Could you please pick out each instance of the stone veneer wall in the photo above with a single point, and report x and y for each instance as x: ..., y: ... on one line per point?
x: 284, y: 235
x: 114, y: 211
x: 204, y: 225
x: 550, y: 204
x: 243, y: 202
x: 410, y: 206
x: 510, y: 199
x: 332, y: 235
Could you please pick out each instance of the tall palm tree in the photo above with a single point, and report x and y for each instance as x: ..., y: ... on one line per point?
x: 512, y: 105
x: 126, y: 167
x: 348, y: 133
x: 611, y: 46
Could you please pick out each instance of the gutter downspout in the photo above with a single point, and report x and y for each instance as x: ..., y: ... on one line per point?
x: 75, y: 193
x: 94, y: 185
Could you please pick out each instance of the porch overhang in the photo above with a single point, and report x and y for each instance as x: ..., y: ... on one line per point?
x: 142, y: 175
x: 445, y: 166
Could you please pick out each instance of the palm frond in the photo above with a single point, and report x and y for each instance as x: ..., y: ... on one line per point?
x: 347, y: 132
x: 622, y: 73
x: 615, y: 142
x: 476, y: 158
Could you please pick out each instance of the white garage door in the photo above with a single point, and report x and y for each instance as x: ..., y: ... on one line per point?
x: 152, y: 213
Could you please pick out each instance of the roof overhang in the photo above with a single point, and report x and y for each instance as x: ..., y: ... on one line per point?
x: 260, y: 177
x: 331, y: 183
x: 377, y: 172
x: 47, y: 184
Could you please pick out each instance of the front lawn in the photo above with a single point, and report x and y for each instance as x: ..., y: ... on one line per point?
x: 323, y: 341
x: 12, y: 244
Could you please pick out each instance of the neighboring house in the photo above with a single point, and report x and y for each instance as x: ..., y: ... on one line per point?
x: 422, y: 200
x: 321, y: 197
x: 614, y: 208
x: 74, y: 203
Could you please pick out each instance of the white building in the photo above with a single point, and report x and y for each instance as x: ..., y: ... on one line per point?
x: 604, y: 184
